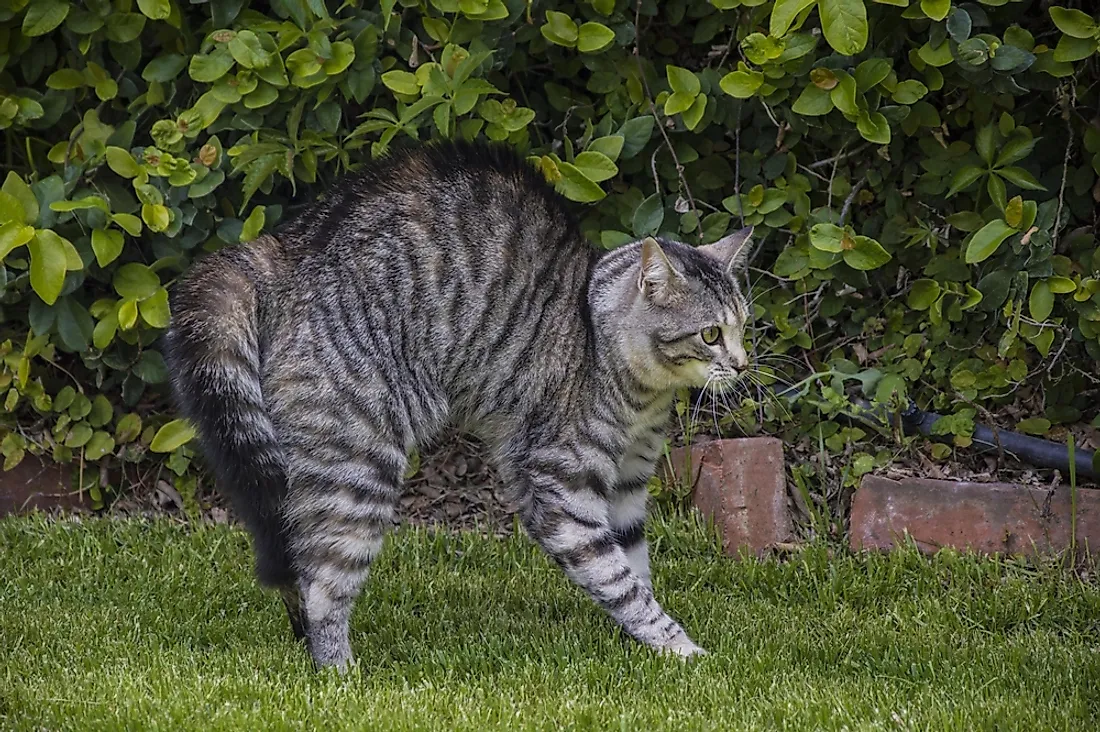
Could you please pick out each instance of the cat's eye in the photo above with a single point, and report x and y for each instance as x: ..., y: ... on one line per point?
x: 711, y: 335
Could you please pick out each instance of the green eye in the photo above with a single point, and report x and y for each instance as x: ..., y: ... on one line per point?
x: 711, y: 335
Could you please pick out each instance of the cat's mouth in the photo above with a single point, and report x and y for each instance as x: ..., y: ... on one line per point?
x: 722, y: 378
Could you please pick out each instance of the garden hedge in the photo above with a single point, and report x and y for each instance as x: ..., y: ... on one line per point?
x: 922, y: 176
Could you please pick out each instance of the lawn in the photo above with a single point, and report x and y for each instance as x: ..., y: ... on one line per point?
x: 127, y: 624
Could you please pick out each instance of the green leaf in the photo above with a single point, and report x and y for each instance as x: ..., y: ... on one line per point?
x: 43, y: 16
x: 107, y: 245
x: 694, y: 114
x: 128, y: 428
x: 1012, y: 59
x: 1021, y: 178
x: 79, y: 435
x: 678, y: 102
x: 1034, y: 425
x: 648, y: 216
x: 909, y: 92
x: 986, y: 241
x: 922, y: 294
x: 130, y: 224
x: 1061, y: 285
x: 246, y: 49
x: 164, y: 68
x: 596, y: 166
x: 959, y: 25
x: 636, y: 133
x: 74, y: 324
x: 1074, y: 23
x: 12, y: 236
x: 173, y: 435
x: 844, y: 23
x: 594, y: 37
x: 871, y: 73
x: 154, y: 310
x: 844, y: 94
x: 99, y: 445
x: 964, y: 178
x: 813, y: 102
x: 105, y: 330
x: 828, y: 237
x: 343, y: 53
x: 935, y: 9
x: 1041, y: 302
x: 741, y: 84
x: 253, y: 225
x: 81, y: 204
x: 122, y: 162
x: 48, y: 265
x: 151, y: 368
x: 874, y: 128
x: 1016, y: 149
x: 984, y: 143
x: 784, y: 14
x: 66, y: 79
x: 101, y: 413
x: 156, y: 216
x: 973, y: 297
x: 1070, y: 49
x: 155, y: 9
x: 210, y: 67
x: 124, y: 27
x: 21, y: 192
x: 682, y: 80
x: 609, y: 145
x: 136, y: 281
x: 401, y: 82
x: 10, y: 209
x: 866, y: 254
x: 574, y: 185
x: 560, y: 29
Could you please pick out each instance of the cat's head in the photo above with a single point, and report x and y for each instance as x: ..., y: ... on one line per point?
x: 681, y: 314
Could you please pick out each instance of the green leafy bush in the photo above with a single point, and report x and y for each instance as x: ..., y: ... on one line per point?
x: 922, y: 174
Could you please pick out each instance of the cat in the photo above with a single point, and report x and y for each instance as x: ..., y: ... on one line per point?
x: 447, y: 284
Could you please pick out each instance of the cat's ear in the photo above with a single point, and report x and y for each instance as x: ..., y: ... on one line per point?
x: 731, y: 250
x: 659, y: 278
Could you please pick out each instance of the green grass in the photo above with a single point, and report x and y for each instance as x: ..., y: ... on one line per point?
x: 125, y: 624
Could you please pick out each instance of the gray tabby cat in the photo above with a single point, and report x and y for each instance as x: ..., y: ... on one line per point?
x: 447, y: 284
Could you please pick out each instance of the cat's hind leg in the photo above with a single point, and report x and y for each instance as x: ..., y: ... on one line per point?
x: 345, y: 481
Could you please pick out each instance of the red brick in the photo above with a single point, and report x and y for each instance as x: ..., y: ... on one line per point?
x: 37, y: 483
x: 740, y: 485
x: 991, y: 518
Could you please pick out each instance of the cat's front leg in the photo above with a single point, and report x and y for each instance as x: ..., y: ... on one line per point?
x: 571, y: 520
x: 630, y: 497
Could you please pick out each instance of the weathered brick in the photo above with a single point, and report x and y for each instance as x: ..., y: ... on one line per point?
x: 991, y: 518
x: 37, y: 483
x: 740, y: 485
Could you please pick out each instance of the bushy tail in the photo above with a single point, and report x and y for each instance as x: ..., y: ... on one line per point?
x: 213, y: 352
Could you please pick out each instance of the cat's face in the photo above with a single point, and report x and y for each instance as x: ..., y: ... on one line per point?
x: 687, y: 322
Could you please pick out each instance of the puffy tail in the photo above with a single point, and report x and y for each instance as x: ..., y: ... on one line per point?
x: 213, y: 349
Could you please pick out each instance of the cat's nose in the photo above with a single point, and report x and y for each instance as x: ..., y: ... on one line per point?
x: 738, y: 357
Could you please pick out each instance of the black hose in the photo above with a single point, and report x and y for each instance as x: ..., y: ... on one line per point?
x: 1031, y: 450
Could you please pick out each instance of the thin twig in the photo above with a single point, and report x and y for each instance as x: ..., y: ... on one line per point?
x: 838, y: 157
x: 1065, y: 170
x: 661, y: 125
x: 851, y: 197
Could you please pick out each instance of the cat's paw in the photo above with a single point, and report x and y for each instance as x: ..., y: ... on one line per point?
x: 683, y: 647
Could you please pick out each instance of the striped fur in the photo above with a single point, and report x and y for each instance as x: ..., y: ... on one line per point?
x: 446, y: 284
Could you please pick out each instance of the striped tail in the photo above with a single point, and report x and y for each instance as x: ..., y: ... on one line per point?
x: 213, y: 352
